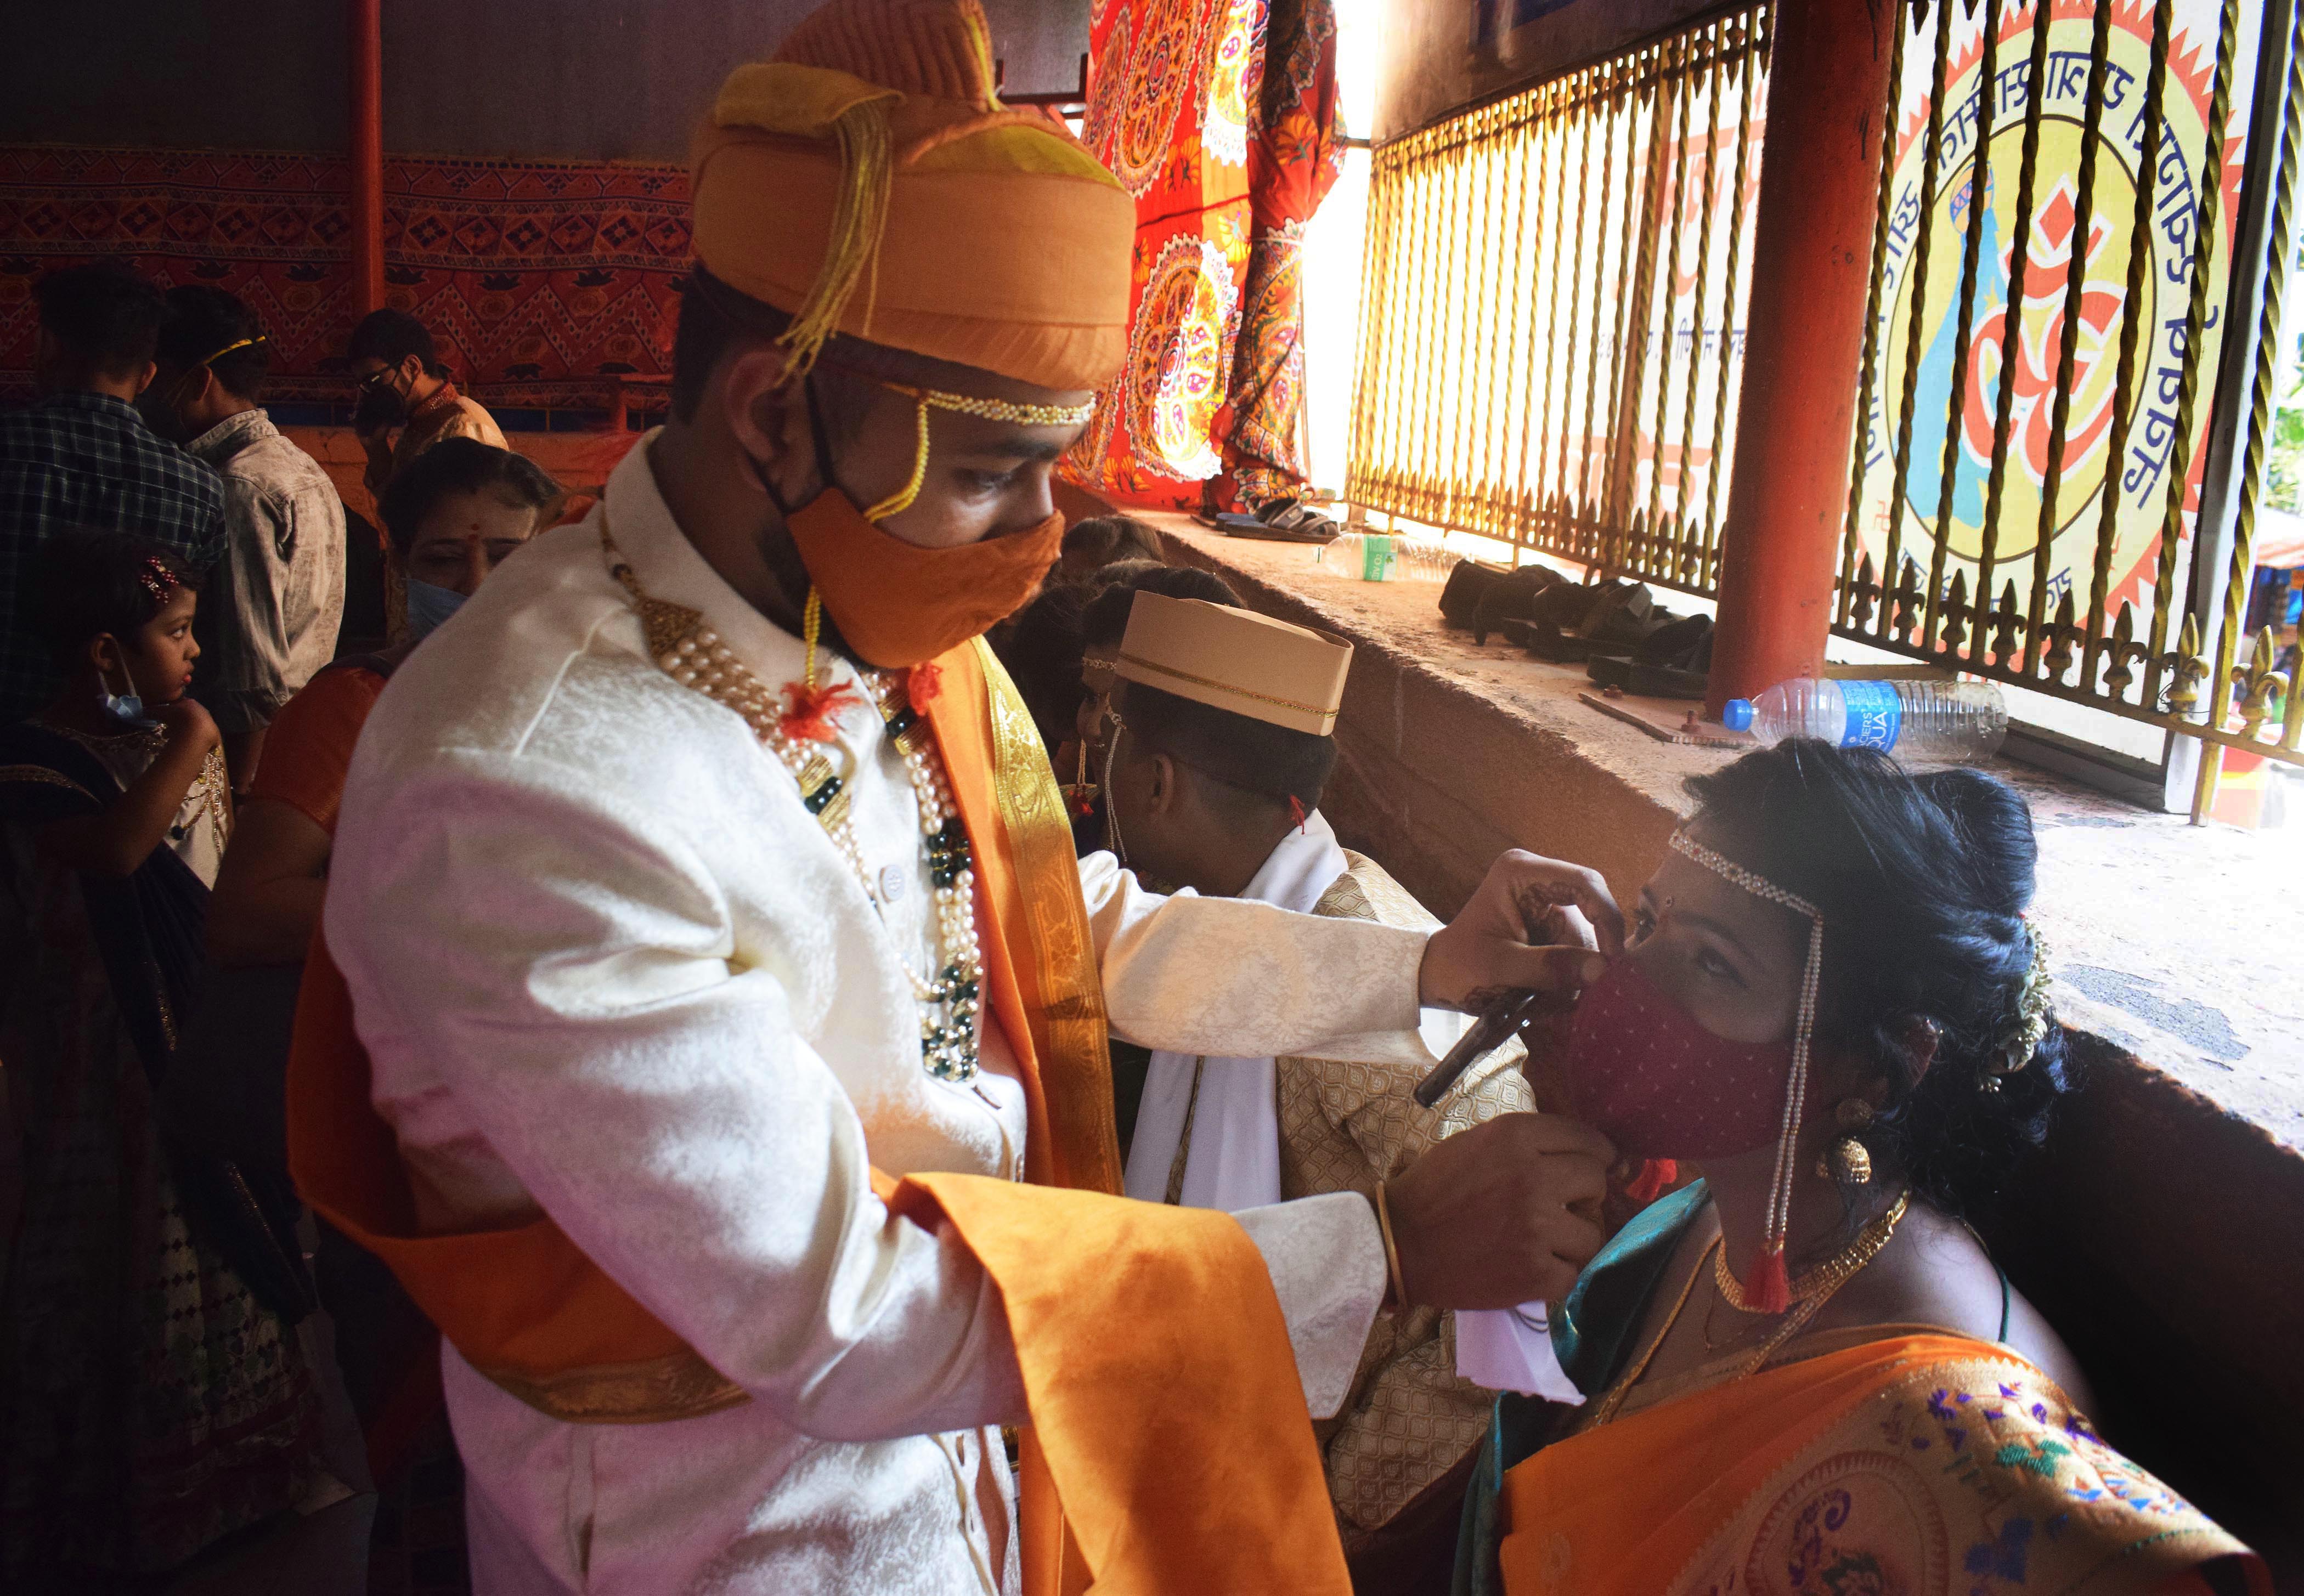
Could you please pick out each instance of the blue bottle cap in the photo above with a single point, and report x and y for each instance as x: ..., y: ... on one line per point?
x: 1736, y: 714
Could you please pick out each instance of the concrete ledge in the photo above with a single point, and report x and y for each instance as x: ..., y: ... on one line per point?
x: 2162, y: 1230
x: 1452, y: 751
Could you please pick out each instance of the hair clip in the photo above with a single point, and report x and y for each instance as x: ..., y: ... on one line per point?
x: 158, y: 580
x: 2023, y: 1037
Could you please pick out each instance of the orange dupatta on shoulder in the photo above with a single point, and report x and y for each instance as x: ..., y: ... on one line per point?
x: 1170, y: 1447
x: 1927, y: 1464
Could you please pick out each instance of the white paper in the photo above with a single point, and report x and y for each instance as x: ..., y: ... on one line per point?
x: 1510, y: 1349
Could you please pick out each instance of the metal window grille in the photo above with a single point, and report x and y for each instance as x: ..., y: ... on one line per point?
x: 1551, y: 339
x: 2063, y: 263
x: 1553, y: 330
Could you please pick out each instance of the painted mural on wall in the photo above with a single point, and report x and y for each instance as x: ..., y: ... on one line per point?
x: 545, y: 280
x: 2017, y: 331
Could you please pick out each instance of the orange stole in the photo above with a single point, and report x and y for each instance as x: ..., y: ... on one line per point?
x: 1167, y: 1414
x: 1147, y: 1336
x: 1927, y: 1464
x: 1039, y: 969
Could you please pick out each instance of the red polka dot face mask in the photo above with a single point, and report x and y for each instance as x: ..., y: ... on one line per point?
x: 1644, y: 1074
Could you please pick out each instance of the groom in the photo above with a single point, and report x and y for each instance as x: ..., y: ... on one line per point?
x: 718, y: 1052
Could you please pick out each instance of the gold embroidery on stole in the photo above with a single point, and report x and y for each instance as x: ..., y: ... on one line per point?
x: 1068, y: 996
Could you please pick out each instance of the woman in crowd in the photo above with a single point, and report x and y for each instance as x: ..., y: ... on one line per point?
x: 1803, y: 1372
x: 453, y: 515
x: 459, y: 508
x: 149, y: 1402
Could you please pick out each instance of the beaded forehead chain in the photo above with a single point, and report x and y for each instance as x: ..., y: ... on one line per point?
x: 1770, y: 1290
x: 925, y: 399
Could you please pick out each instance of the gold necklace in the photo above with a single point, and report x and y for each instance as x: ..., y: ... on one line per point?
x: 1827, y: 1276
x: 1868, y: 1243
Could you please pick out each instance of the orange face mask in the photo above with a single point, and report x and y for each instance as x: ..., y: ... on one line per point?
x: 898, y: 605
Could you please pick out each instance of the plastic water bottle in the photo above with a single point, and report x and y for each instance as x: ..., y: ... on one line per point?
x: 1377, y: 555
x: 1954, y: 722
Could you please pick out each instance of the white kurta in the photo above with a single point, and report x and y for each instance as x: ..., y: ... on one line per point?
x: 607, y: 964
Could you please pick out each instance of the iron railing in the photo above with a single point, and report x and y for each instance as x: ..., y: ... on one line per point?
x: 2053, y: 288
x: 1553, y: 330
x: 1555, y: 284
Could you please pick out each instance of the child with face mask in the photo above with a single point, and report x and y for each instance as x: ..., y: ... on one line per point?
x: 1804, y: 1370
x: 151, y: 1403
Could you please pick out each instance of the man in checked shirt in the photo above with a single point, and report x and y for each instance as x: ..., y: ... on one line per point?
x: 81, y: 458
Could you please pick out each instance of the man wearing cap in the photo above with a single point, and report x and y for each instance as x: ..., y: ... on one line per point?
x: 1222, y: 740
x: 708, y: 983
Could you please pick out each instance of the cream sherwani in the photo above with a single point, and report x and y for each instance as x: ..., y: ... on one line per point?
x: 606, y: 965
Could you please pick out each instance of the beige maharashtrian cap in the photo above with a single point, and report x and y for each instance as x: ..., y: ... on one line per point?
x: 1236, y: 660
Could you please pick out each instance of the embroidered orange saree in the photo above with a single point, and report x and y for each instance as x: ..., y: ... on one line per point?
x: 1924, y: 1464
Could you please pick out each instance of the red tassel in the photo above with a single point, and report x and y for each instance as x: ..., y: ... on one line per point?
x: 922, y: 683
x: 1295, y: 812
x: 1655, y: 1175
x: 810, y: 713
x: 1770, y: 1291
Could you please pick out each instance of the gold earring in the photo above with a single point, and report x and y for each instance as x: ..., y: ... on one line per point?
x: 1846, y: 1160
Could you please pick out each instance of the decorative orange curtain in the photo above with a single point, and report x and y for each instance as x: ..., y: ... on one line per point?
x: 1293, y: 163
x: 1218, y: 115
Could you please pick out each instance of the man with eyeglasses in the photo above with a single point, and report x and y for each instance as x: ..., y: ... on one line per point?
x: 404, y: 384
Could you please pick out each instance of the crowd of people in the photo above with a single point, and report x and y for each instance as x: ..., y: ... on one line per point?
x: 816, y: 1014
x: 180, y: 721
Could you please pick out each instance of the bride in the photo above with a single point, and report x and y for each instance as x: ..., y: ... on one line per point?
x: 1803, y: 1371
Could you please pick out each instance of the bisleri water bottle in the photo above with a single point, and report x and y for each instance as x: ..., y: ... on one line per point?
x: 1954, y: 722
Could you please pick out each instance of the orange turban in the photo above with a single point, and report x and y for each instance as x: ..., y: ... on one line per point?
x: 868, y: 180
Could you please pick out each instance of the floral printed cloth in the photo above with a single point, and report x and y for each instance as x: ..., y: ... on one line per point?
x: 1219, y: 117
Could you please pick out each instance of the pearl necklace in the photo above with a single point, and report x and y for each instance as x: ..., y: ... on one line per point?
x: 691, y: 654
x: 951, y: 998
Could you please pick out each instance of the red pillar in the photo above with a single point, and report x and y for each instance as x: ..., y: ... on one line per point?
x: 367, y: 30
x: 1811, y: 261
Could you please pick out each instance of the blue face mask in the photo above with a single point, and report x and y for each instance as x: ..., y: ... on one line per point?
x: 429, y: 605
x: 127, y: 708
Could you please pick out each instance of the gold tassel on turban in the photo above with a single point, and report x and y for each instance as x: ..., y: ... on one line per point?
x: 869, y: 181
